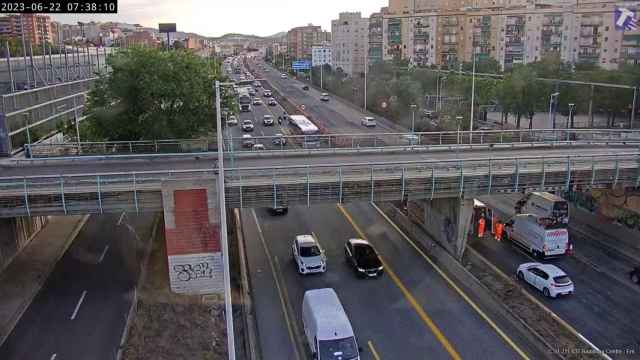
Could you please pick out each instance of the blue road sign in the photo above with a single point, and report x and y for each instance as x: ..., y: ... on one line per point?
x: 625, y: 19
x: 301, y: 65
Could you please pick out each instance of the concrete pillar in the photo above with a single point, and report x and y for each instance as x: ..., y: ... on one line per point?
x: 448, y: 221
x: 192, y: 235
x: 15, y: 234
x: 5, y: 139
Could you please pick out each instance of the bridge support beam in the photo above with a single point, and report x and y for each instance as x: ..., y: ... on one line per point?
x: 192, y: 235
x: 448, y: 221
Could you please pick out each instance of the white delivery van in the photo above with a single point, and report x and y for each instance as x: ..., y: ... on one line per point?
x: 326, y: 326
x: 544, y: 205
x: 539, y: 236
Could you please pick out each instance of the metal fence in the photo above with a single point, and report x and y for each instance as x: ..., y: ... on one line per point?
x: 260, y: 187
x: 287, y: 143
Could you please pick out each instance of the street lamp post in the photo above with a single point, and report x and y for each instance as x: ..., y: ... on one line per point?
x: 413, y: 117
x: 552, y: 110
x: 473, y: 93
x: 444, y: 78
x: 459, y: 121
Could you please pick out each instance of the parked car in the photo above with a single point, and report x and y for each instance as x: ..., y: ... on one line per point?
x: 257, y: 101
x: 324, y: 97
x: 247, y: 125
x: 547, y: 278
x: 634, y: 275
x: 247, y: 141
x: 232, y: 121
x: 305, y: 87
x: 363, y: 258
x: 272, y: 102
x: 267, y: 120
x: 308, y: 255
x: 368, y: 121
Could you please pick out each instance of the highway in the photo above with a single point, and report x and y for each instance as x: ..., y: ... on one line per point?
x: 409, y: 313
x: 604, y: 307
x: 81, y: 311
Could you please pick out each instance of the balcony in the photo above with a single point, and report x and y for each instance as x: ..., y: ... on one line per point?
x: 591, y: 21
x: 449, y: 22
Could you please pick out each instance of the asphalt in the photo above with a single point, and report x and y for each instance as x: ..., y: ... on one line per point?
x: 603, y: 308
x: 378, y: 309
x: 47, y: 328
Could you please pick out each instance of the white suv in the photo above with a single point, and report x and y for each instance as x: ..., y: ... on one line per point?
x: 308, y: 255
x: 547, y: 278
x: 368, y: 121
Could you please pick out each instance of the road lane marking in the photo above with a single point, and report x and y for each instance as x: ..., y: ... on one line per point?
x: 104, y: 252
x: 120, y: 219
x: 407, y: 294
x: 462, y: 294
x: 373, y: 350
x: 75, y: 312
x: 53, y: 357
x: 279, y: 288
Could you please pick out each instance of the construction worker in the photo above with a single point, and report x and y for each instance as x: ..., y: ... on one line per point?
x: 481, y: 225
x: 499, y: 230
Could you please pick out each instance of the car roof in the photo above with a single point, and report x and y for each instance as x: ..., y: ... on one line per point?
x: 246, y: 136
x: 268, y: 116
x: 369, y: 118
x: 552, y: 270
x: 306, y: 240
x: 359, y: 242
x: 331, y: 319
x: 247, y: 120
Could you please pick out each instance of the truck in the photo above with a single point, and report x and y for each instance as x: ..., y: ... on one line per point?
x: 244, y: 99
x: 545, y: 205
x: 541, y: 237
x: 327, y: 328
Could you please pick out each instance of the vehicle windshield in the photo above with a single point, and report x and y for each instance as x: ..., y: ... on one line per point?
x: 340, y: 349
x: 309, y: 251
x: 562, y: 279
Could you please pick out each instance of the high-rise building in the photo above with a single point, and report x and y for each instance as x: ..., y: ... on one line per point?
x: 36, y: 27
x: 320, y: 55
x: 375, y: 37
x: 350, y: 41
x: 301, y: 39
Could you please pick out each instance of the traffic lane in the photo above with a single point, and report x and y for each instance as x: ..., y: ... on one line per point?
x: 273, y: 334
x: 46, y: 328
x: 200, y: 161
x: 467, y: 331
x: 376, y: 308
x: 602, y: 309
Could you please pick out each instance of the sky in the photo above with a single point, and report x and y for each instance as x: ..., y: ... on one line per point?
x: 218, y: 17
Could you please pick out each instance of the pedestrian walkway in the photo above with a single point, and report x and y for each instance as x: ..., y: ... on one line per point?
x: 24, y: 276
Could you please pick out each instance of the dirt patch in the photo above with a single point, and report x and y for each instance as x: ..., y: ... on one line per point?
x: 171, y: 326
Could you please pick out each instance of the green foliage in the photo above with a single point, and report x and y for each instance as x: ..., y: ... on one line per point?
x: 153, y: 94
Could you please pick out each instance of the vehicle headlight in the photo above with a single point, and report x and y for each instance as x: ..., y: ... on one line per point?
x: 360, y: 269
x: 380, y: 268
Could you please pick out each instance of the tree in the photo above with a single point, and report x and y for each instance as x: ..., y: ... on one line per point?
x: 520, y: 93
x: 153, y: 94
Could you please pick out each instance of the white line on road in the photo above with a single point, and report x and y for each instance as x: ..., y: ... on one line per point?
x: 75, y: 312
x: 120, y: 220
x: 53, y: 357
x: 104, y: 252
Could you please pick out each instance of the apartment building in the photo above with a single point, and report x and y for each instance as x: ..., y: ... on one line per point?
x: 36, y: 27
x: 375, y: 37
x: 321, y: 55
x: 350, y: 40
x: 301, y: 39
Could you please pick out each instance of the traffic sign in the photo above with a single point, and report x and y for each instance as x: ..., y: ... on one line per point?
x: 301, y: 65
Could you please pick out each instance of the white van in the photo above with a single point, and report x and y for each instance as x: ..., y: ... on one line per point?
x: 327, y: 328
x: 546, y: 205
x: 539, y: 236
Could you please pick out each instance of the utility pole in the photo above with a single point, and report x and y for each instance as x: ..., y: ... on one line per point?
x: 413, y: 117
x: 473, y: 94
x: 24, y: 51
x: 231, y: 349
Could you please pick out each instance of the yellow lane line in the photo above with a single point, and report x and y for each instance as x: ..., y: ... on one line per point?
x: 407, y: 294
x: 462, y: 294
x: 373, y: 350
x: 279, y: 288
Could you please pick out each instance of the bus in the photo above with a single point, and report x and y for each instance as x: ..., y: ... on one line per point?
x: 304, y: 126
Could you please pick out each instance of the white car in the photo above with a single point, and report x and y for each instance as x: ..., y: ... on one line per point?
x: 247, y: 125
x: 308, y: 255
x: 247, y: 141
x: 547, y: 278
x: 232, y: 121
x: 324, y: 97
x: 258, y: 147
x: 267, y: 93
x: 257, y: 101
x: 267, y: 120
x: 283, y: 76
x: 368, y: 121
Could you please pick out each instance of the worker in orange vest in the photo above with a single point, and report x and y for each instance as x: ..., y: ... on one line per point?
x: 481, y: 224
x: 499, y: 230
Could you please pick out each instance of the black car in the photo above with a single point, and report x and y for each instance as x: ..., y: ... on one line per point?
x: 363, y: 258
x: 635, y: 275
x: 278, y: 210
x: 306, y: 87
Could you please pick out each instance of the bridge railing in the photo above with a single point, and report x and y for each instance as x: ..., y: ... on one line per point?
x: 261, y: 186
x: 292, y: 143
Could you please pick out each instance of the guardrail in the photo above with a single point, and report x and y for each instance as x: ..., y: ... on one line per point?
x: 293, y: 143
x: 260, y: 186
